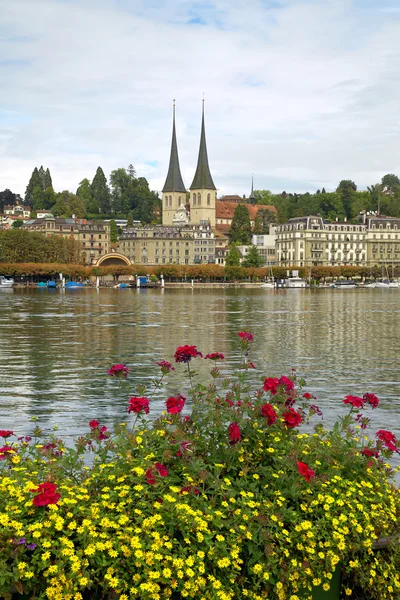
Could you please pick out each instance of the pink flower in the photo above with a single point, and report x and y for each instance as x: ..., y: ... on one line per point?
x: 215, y: 356
x: 245, y: 335
x: 371, y: 399
x: 355, y: 401
x: 93, y: 424
x: 137, y: 405
x: 315, y: 409
x: 292, y: 418
x: 186, y: 353
x: 267, y: 410
x: 120, y: 371
x: 388, y: 438
x: 305, y: 471
x: 166, y: 366
x: 162, y: 469
x: 234, y: 433
x: 175, y: 404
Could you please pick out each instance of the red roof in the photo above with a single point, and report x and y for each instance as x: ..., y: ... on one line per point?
x: 226, y: 210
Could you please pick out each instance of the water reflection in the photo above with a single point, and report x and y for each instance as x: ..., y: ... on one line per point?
x: 56, y: 347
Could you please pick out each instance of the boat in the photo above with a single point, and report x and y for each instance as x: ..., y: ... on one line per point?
x: 74, y: 284
x: 386, y: 283
x: 51, y: 284
x: 6, y: 282
x: 269, y: 284
x: 296, y: 282
x: 371, y: 284
x: 346, y: 284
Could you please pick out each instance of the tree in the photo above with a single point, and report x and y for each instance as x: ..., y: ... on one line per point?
x: 346, y: 190
x: 84, y: 192
x: 38, y: 198
x: 390, y: 183
x: 47, y: 181
x: 240, y: 231
x: 17, y: 223
x: 34, y: 182
x: 233, y: 257
x: 266, y: 217
x: 253, y: 258
x: 113, y: 231
x: 67, y: 204
x: 8, y: 198
x: 130, y: 220
x: 263, y: 196
x: 122, y: 191
x: 323, y: 191
x: 101, y: 192
x: 258, y: 225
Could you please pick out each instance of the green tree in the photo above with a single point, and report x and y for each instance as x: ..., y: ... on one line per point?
x: 113, y: 231
x: 390, y: 183
x: 122, y: 191
x: 8, y: 198
x: 253, y: 258
x: 258, y: 225
x: 240, y: 231
x: 101, y: 192
x: 347, y: 191
x: 17, y: 223
x: 38, y: 199
x: 47, y: 181
x: 233, y: 257
x: 67, y: 204
x: 130, y: 220
x: 34, y: 182
x: 84, y: 192
x: 266, y: 217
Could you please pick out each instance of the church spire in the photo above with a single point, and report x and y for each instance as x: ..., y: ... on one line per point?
x: 252, y: 197
x: 174, y: 181
x: 202, y: 178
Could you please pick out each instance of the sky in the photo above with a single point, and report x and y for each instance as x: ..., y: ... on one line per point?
x: 302, y: 93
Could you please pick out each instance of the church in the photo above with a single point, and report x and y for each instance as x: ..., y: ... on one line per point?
x: 187, y: 234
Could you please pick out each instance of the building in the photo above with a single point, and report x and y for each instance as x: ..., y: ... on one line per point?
x: 311, y: 241
x: 174, y: 245
x: 94, y: 237
x: 19, y: 211
x: 225, y: 209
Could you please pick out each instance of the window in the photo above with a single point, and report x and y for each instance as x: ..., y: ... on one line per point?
x: 208, y: 199
x: 199, y: 198
x: 194, y: 199
x: 170, y: 200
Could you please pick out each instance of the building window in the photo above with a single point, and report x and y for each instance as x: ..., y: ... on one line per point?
x: 208, y: 199
x: 199, y: 198
x: 194, y: 199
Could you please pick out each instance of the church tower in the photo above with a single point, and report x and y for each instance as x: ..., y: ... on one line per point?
x: 203, y: 192
x: 174, y: 191
x: 252, y: 198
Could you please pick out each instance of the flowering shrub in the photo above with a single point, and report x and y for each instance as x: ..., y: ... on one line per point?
x: 230, y: 501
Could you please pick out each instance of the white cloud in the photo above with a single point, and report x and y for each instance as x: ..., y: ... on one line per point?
x: 302, y: 95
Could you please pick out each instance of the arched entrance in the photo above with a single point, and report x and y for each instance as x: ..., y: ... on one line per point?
x: 113, y: 258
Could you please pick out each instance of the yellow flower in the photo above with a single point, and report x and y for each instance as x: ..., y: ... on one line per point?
x: 348, y: 592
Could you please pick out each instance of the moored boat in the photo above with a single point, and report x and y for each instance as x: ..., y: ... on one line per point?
x: 6, y: 282
x: 346, y: 284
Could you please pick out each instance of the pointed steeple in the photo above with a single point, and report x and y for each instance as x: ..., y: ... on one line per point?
x: 174, y: 181
x: 252, y: 197
x: 202, y: 178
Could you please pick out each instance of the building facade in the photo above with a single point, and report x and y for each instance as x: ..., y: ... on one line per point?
x: 93, y: 237
x: 311, y: 241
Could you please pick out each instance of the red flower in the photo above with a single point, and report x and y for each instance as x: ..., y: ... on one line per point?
x: 138, y: 405
x: 234, y: 433
x: 46, y: 494
x: 315, y: 409
x: 190, y: 489
x: 118, y: 371
x: 94, y: 424
x: 175, y: 404
x: 292, y: 418
x: 370, y: 452
x: 251, y: 365
x: 215, y: 356
x: 307, y: 395
x: 245, y: 335
x: 162, y: 469
x: 166, y: 366
x: 288, y: 383
x: 150, y: 476
x: 5, y: 433
x: 4, y: 451
x: 186, y: 353
x: 387, y: 437
x: 305, y: 471
x: 102, y: 433
x: 271, y: 385
x: 355, y: 401
x: 267, y: 410
x: 371, y: 399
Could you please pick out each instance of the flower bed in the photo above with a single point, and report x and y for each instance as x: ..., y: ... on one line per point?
x: 236, y: 498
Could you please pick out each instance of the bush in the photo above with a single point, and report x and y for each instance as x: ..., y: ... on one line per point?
x: 230, y: 501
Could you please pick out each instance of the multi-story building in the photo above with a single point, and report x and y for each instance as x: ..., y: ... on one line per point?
x: 311, y: 241
x: 162, y: 245
x: 93, y: 237
x: 20, y: 211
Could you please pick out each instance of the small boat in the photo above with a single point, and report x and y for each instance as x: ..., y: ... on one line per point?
x: 385, y: 283
x: 51, y: 284
x: 371, y: 284
x: 74, y: 284
x: 269, y: 284
x: 346, y: 284
x: 296, y: 282
x: 6, y: 282
x: 42, y: 284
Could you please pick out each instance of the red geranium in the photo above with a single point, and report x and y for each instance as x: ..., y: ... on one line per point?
x: 371, y: 399
x: 138, y: 405
x: 234, y: 433
x: 4, y: 451
x: 271, y: 385
x: 369, y: 452
x: 175, y: 404
x: 46, y: 494
x: 355, y: 401
x: 186, y: 353
x: 245, y: 335
x: 388, y: 438
x: 190, y: 489
x: 162, y: 469
x: 292, y: 418
x: 251, y: 365
x: 94, y: 424
x: 308, y: 396
x: 215, y: 356
x: 267, y: 410
x: 305, y: 471
x: 288, y: 383
x: 166, y: 366
x: 5, y: 433
x: 120, y: 370
x: 150, y: 476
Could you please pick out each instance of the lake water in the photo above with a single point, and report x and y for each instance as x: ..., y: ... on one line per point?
x: 56, y: 346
